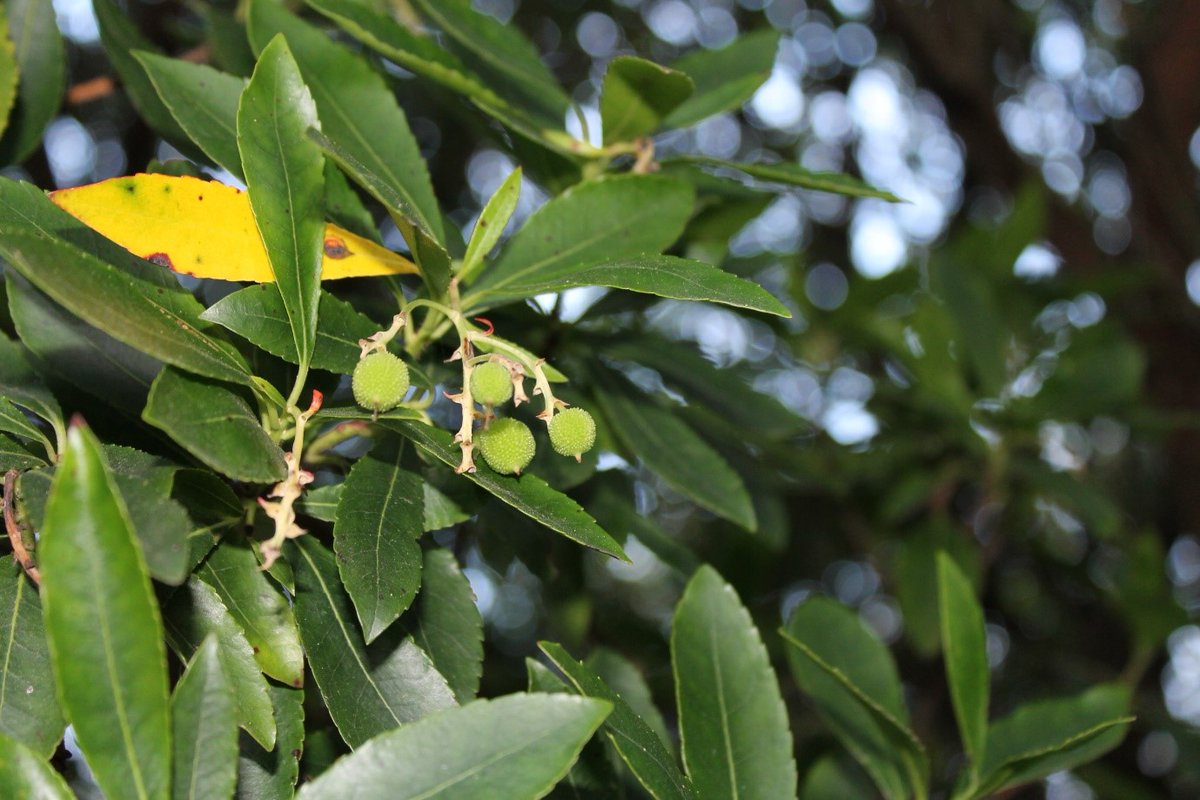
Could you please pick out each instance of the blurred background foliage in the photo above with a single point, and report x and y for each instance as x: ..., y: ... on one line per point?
x: 1003, y: 367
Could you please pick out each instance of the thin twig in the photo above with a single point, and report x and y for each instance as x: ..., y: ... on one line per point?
x: 13, y: 528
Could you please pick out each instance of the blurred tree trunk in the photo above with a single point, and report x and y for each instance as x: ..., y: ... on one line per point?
x: 956, y: 47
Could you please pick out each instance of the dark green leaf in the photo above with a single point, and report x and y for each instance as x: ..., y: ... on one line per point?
x: 423, y: 56
x: 637, y: 95
x: 516, y: 746
x: 357, y: 110
x: 214, y: 424
x: 665, y: 276
x: 528, y: 494
x: 447, y: 625
x: 161, y: 524
x: 272, y: 774
x: 89, y: 359
x: 259, y: 608
x: 20, y: 385
x: 724, y: 78
x: 1052, y: 735
x: 15, y: 454
x: 196, y: 612
x: 256, y: 313
x: 595, y: 222
x: 204, y: 102
x: 964, y: 645
x: 851, y: 678
x: 204, y: 727
x: 677, y: 453
x: 916, y: 560
x: 344, y: 207
x: 502, y: 56
x: 375, y: 532
x: 795, y: 175
x: 835, y: 777
x: 121, y: 38
x: 732, y: 722
x: 118, y: 304
x: 636, y: 742
x: 971, y: 300
x: 490, y: 225
x: 625, y: 679
x: 367, y: 690
x: 42, y: 71
x: 25, y: 774
x: 29, y: 710
x: 103, y: 627
x: 285, y: 180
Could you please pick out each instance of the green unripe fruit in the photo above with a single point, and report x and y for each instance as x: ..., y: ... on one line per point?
x: 491, y: 383
x: 507, y: 445
x: 380, y: 381
x: 572, y: 432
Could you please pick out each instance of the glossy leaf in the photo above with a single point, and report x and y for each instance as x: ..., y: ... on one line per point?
x: 1053, y: 735
x: 103, y: 627
x: 724, y: 78
x: 624, y: 678
x: 195, y: 612
x: 75, y: 351
x: 636, y: 742
x: 42, y: 76
x: 964, y: 644
x: 203, y: 100
x: 596, y: 222
x: 637, y: 95
x: 424, y: 57
x: 519, y: 745
x: 25, y: 774
x: 256, y: 313
x: 29, y: 710
x: 490, y: 225
x: 851, y: 678
x: 356, y: 108
x: 528, y: 494
x: 670, y: 448
x: 665, y: 276
x: 733, y: 725
x: 367, y: 690
x: 375, y: 537
x: 260, y: 609
x: 272, y: 774
x: 447, y: 625
x: 285, y: 178
x: 21, y: 386
x: 16, y: 454
x: 108, y: 298
x: 502, y: 56
x: 791, y: 174
x: 214, y: 424
x: 204, y: 728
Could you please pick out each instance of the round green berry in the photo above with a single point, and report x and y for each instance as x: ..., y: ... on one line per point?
x: 572, y: 432
x: 491, y: 383
x: 380, y: 381
x: 507, y: 445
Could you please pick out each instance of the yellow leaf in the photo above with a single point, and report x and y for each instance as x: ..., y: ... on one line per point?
x: 206, y: 229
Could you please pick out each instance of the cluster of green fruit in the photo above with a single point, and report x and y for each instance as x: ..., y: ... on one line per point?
x: 381, y: 380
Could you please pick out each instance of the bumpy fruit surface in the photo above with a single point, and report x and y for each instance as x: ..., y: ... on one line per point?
x: 380, y: 381
x: 491, y: 384
x: 507, y: 445
x: 572, y: 432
